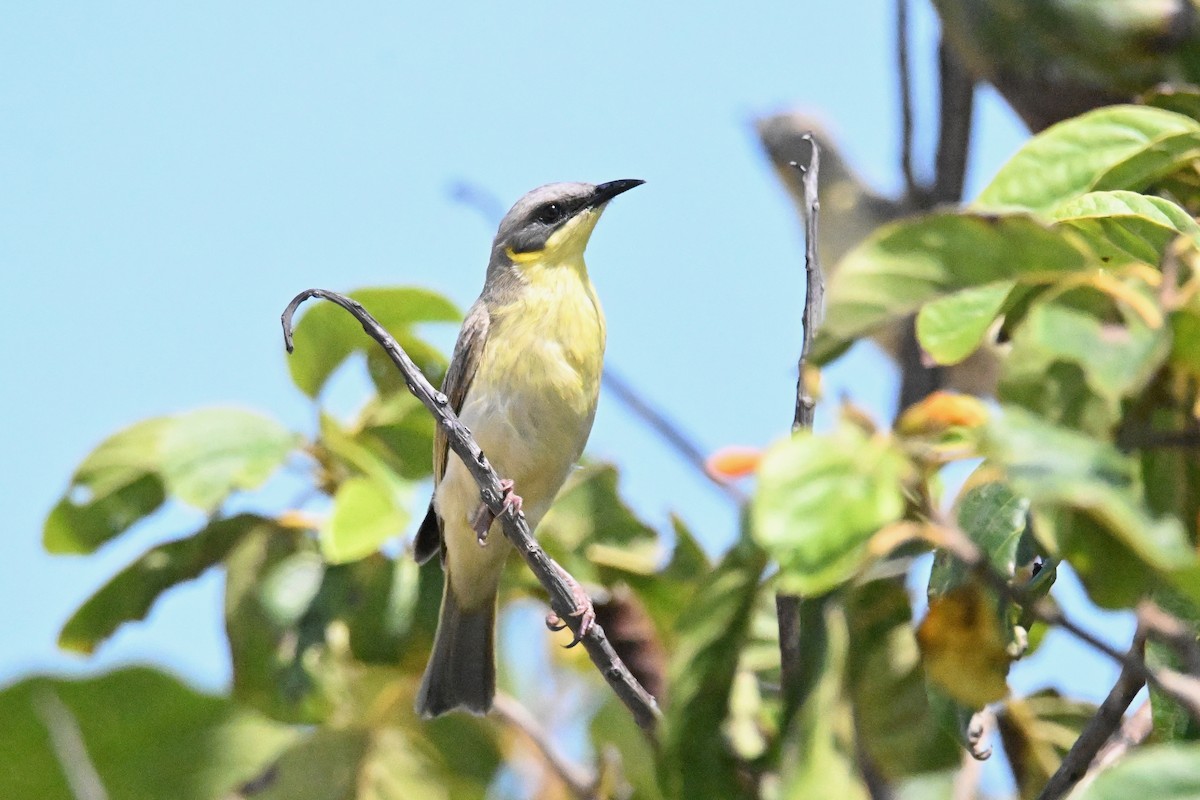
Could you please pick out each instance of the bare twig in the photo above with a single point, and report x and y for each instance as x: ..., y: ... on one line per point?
x: 788, y: 606
x: 911, y: 188
x: 814, y: 286
x: 69, y: 748
x: 580, y: 780
x: 637, y: 699
x: 1183, y: 689
x: 1099, y: 728
x: 670, y: 433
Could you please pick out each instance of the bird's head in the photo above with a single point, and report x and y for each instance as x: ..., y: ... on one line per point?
x: 552, y: 224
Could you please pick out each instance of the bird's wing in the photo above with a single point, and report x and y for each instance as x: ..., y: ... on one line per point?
x: 467, y: 351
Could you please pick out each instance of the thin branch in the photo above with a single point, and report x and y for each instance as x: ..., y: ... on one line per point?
x: 1099, y: 728
x: 1183, y: 689
x: 911, y: 187
x: 637, y: 699
x: 66, y: 740
x: 814, y: 285
x: 957, y: 103
x: 580, y: 780
x: 670, y: 433
x: 790, y: 609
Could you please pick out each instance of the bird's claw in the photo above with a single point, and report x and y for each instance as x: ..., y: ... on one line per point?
x: 481, y: 523
x: 583, y: 609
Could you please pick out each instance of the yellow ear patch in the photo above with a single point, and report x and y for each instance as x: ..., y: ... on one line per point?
x: 522, y: 258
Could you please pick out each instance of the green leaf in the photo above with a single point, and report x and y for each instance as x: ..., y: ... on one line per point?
x: 590, y: 529
x: 1163, y: 772
x: 903, y: 266
x: 992, y: 516
x: 1118, y: 147
x: 1123, y: 226
x: 326, y: 335
x: 612, y: 726
x: 386, y: 763
x: 365, y: 515
x: 1117, y: 360
x: 131, y: 593
x: 898, y: 728
x: 820, y: 499
x: 1185, y: 340
x: 207, y: 454
x: 272, y: 581
x: 818, y: 751
x: 381, y: 607
x: 114, y: 487
x: 399, y: 430
x: 952, y: 327
x: 198, y: 457
x: 1087, y: 503
x: 697, y: 759
x: 144, y: 733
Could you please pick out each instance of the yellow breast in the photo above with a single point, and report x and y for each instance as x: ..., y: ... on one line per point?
x: 533, y: 399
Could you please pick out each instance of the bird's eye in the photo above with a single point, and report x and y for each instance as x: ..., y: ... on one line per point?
x: 551, y: 213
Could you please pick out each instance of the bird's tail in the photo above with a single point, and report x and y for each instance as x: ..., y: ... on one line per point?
x: 462, y: 667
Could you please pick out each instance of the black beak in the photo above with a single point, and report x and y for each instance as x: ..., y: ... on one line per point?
x: 607, y: 191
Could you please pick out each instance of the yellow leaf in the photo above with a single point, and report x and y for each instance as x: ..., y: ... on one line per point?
x: 941, y: 411
x: 963, y: 648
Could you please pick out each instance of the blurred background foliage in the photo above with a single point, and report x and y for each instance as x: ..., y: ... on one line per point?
x: 1070, y: 283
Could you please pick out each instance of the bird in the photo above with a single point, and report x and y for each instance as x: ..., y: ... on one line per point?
x: 524, y: 378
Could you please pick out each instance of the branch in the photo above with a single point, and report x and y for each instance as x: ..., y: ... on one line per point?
x: 1098, y: 730
x: 789, y: 608
x: 1183, y: 689
x: 954, y: 127
x: 911, y: 188
x: 636, y: 699
x: 577, y: 778
x: 814, y: 286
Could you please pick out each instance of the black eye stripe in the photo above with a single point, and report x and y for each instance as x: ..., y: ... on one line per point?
x: 550, y: 213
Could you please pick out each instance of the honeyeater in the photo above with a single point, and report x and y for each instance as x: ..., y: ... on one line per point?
x: 524, y: 379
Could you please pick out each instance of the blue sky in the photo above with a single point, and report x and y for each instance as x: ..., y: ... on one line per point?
x: 171, y: 175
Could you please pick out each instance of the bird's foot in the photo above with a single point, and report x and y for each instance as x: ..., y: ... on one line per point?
x: 583, y: 608
x: 481, y: 523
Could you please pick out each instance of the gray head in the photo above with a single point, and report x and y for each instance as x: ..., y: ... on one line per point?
x: 552, y: 221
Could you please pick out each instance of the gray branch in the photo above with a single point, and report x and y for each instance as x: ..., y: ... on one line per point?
x: 791, y: 609
x: 1098, y: 730
x: 636, y: 699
